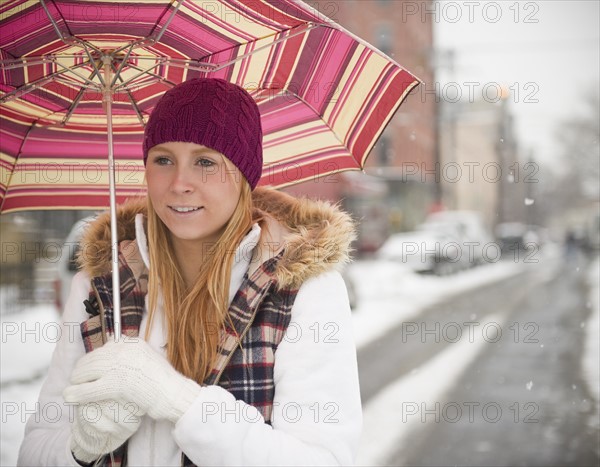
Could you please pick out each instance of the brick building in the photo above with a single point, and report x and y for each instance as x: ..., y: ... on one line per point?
x: 390, y: 196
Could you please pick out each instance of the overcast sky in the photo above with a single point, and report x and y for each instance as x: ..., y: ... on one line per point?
x: 547, y: 50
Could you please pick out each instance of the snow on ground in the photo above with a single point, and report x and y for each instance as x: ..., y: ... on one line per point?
x: 28, y: 340
x: 18, y: 402
x: 390, y: 293
x: 398, y: 409
x: 591, y: 357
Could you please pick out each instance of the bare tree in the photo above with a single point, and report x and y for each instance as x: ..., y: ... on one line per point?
x: 578, y: 138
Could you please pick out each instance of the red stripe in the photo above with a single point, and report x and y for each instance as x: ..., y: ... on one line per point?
x: 286, y: 174
x: 399, y: 84
x: 289, y: 54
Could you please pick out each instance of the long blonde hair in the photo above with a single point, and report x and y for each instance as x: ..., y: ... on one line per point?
x: 195, y: 317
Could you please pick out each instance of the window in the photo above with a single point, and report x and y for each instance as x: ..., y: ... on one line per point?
x: 383, y: 38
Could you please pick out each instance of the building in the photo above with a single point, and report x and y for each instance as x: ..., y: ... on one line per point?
x: 480, y: 169
x: 391, y: 196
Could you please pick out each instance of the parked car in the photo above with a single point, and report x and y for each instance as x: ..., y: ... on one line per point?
x: 425, y: 251
x: 477, y: 245
x: 512, y: 238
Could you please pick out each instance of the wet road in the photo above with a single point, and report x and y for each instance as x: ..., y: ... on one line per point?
x: 522, y: 399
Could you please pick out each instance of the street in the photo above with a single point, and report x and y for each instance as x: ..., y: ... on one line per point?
x: 517, y: 398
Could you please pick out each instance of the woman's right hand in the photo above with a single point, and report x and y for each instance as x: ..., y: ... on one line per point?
x: 101, y: 427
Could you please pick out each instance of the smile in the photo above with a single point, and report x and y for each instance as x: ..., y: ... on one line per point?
x: 184, y: 208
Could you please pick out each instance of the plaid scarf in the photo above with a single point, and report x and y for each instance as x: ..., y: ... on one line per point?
x: 260, y: 313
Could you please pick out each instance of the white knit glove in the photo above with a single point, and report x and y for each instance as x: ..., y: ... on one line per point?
x: 131, y: 371
x: 101, y: 427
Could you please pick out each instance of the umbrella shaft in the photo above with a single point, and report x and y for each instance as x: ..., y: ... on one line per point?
x: 107, y: 100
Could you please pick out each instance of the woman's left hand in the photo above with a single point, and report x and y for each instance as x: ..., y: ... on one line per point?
x: 101, y: 427
x: 130, y: 371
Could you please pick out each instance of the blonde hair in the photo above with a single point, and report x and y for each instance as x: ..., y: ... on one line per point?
x: 195, y: 317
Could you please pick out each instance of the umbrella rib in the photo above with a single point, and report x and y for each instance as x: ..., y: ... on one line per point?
x: 76, y: 101
x: 200, y: 66
x: 22, y: 62
x: 70, y: 70
x: 67, y: 82
x: 93, y: 63
x: 135, y: 106
x: 147, y: 70
x: 142, y: 72
x: 160, y: 78
x: 29, y: 87
x: 164, y: 28
x: 73, y: 40
x: 70, y: 40
x: 309, y: 27
x: 149, y: 40
x: 54, y: 25
x: 121, y: 65
x: 12, y: 173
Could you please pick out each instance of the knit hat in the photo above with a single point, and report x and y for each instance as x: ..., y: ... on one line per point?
x: 214, y: 113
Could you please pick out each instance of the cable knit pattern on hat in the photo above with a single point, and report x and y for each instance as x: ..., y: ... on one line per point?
x: 214, y: 113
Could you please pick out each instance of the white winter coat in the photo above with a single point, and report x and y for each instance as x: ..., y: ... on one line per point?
x: 317, y: 415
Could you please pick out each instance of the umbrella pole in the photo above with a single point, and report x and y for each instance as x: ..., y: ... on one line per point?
x: 107, y: 98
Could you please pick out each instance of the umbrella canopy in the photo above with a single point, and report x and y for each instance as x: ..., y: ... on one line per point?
x: 324, y: 95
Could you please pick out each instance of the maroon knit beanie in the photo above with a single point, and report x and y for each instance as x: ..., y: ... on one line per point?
x: 214, y: 113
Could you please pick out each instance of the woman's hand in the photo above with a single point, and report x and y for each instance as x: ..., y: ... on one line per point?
x: 130, y: 371
x: 101, y: 427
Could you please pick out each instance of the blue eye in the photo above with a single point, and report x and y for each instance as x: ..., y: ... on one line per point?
x: 161, y: 160
x: 206, y: 162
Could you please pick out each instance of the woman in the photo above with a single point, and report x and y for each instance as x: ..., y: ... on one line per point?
x: 239, y: 347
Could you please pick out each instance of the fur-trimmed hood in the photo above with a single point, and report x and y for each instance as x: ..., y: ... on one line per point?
x: 315, y: 236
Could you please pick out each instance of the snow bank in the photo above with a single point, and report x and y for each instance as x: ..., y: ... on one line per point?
x: 390, y: 293
x: 28, y: 340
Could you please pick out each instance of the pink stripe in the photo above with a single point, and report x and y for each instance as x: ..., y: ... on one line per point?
x: 366, y: 116
x: 349, y: 85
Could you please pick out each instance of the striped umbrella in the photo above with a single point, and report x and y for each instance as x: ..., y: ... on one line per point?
x: 324, y: 95
x: 78, y: 80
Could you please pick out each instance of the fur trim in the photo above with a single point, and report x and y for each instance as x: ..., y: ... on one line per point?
x: 95, y: 254
x: 316, y: 236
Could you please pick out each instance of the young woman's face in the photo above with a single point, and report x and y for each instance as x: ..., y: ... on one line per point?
x: 194, y: 189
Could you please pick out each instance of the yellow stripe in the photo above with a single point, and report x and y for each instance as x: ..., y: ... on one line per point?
x: 25, y: 108
x: 96, y: 161
x: 61, y: 172
x: 363, y: 85
x: 123, y: 190
x: 311, y: 143
x: 18, y: 8
x: 229, y: 15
